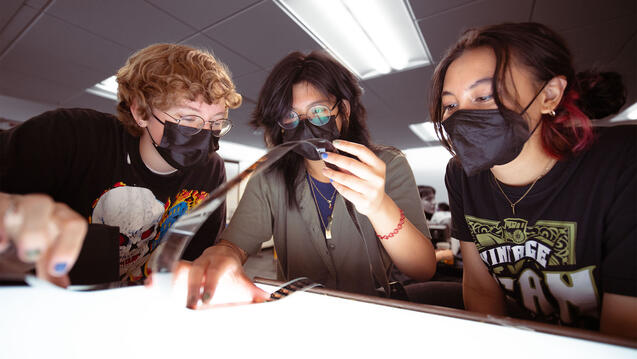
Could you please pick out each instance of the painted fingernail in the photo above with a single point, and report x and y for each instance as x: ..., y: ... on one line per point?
x: 206, y: 297
x: 324, y: 155
x: 59, y: 267
x: 192, y: 301
x: 32, y: 254
x: 331, y: 180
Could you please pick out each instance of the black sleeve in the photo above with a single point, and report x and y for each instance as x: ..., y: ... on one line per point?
x: 453, y: 178
x: 35, y: 154
x: 209, y: 232
x: 54, y: 152
x: 619, y: 264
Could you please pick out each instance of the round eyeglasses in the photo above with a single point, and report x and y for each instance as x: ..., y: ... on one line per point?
x: 318, y: 115
x: 192, y: 124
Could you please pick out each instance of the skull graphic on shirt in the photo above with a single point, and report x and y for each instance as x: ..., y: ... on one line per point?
x: 136, y: 212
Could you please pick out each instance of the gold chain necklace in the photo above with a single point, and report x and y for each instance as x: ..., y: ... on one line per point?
x: 513, y: 204
x: 329, y: 201
x: 328, y: 227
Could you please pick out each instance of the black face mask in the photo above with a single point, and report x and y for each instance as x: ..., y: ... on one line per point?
x: 485, y: 138
x: 305, y: 131
x: 182, y: 151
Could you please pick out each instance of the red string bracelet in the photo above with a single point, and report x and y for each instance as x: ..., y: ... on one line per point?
x: 397, y: 229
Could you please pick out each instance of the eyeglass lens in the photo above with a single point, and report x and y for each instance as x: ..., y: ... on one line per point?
x: 191, y: 125
x: 317, y: 115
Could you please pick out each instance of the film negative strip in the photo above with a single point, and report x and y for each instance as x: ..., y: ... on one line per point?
x: 300, y: 284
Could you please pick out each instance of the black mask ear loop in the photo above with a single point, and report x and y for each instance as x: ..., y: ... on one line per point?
x: 529, y: 105
x: 151, y: 136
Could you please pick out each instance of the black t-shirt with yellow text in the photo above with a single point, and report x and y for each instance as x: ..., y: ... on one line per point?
x: 572, y: 238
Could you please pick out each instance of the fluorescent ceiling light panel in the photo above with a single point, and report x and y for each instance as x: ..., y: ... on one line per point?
x: 630, y: 113
x: 370, y: 37
x: 106, y: 88
x: 425, y: 131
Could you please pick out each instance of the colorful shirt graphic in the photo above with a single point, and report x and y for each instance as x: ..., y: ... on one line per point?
x: 142, y: 220
x: 531, y: 264
x: 88, y: 160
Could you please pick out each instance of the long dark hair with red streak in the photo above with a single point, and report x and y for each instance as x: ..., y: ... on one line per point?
x: 588, y: 95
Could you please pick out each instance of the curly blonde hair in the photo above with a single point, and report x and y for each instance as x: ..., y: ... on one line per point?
x: 160, y: 74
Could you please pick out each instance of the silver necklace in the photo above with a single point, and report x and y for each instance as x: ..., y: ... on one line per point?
x: 513, y: 204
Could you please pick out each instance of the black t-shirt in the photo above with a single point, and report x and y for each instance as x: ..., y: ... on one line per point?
x: 573, y: 237
x: 87, y: 160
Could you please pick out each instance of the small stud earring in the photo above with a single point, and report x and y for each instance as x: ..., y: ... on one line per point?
x: 552, y: 113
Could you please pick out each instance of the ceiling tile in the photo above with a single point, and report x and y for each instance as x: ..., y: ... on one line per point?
x: 36, y: 3
x: 21, y: 110
x: 379, y: 120
x: 441, y: 31
x: 134, y: 24
x: 626, y: 59
x: 580, y: 12
x: 74, y: 58
x: 202, y: 13
x: 277, y: 36
x: 404, y: 92
x: 8, y: 9
x: 57, y: 59
x: 241, y: 131
x: 67, y: 74
x: 398, y: 136
x: 590, y: 45
x: 236, y: 63
x: 405, y: 96
x: 84, y: 99
x: 15, y: 26
x: 423, y: 9
x: 250, y: 85
x: 29, y: 87
x: 626, y: 64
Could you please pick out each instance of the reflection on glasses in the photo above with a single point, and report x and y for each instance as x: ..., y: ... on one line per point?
x: 193, y: 124
x: 318, y: 115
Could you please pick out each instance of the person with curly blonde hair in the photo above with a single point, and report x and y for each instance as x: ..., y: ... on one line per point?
x: 131, y: 175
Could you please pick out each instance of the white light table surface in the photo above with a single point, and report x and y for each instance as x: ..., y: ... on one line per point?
x: 138, y: 322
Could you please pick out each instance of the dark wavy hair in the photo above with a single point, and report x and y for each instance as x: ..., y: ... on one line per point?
x: 588, y: 95
x: 275, y: 101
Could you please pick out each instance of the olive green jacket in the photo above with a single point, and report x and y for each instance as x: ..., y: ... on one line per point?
x: 341, y: 263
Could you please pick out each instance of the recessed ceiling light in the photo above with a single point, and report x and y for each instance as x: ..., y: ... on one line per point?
x: 371, y: 37
x: 106, y: 88
x: 425, y: 131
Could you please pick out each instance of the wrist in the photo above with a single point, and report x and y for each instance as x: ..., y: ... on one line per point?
x: 396, y: 230
x: 235, y: 251
x: 386, y: 209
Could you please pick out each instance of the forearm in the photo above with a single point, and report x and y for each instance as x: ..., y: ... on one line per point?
x: 408, y: 247
x: 619, y: 315
x: 483, y: 301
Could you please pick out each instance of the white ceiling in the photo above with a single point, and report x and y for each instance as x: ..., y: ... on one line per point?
x: 51, y: 51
